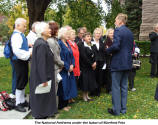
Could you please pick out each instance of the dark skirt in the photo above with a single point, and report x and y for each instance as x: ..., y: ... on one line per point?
x: 88, y: 80
x: 62, y: 103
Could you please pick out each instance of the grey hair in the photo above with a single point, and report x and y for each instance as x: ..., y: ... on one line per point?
x: 108, y: 31
x: 34, y: 24
x: 97, y: 29
x: 39, y: 28
x: 61, y: 32
x: 19, y: 21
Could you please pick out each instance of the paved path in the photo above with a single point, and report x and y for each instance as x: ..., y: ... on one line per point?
x: 13, y: 114
x: 1, y: 51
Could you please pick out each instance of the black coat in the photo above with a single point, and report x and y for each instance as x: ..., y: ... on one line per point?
x: 42, y: 70
x: 78, y: 40
x: 154, y: 42
x: 87, y: 78
x: 99, y: 54
x: 87, y: 56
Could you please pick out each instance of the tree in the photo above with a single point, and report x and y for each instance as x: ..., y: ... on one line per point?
x: 5, y: 7
x: 19, y: 10
x: 36, y: 10
x: 115, y: 9
x: 134, y: 11
x: 4, y: 31
x: 83, y: 13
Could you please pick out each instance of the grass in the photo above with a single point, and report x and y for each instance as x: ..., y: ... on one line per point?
x: 140, y: 105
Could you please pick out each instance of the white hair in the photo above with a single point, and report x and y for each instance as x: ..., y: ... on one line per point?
x: 40, y: 27
x: 108, y: 31
x: 34, y: 24
x: 97, y: 29
x: 62, y: 31
x: 19, y: 21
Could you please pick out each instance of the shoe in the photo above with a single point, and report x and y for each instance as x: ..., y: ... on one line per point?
x: 25, y: 104
x: 20, y: 108
x: 112, y: 112
x: 133, y: 89
x: 123, y: 113
x: 12, y: 96
x: 152, y: 76
x: 90, y: 100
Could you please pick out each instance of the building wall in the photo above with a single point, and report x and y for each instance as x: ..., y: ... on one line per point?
x: 149, y: 18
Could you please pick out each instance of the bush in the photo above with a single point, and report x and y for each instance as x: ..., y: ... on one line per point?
x: 144, y: 47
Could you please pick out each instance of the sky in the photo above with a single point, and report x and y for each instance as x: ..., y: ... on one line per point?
x: 103, y: 4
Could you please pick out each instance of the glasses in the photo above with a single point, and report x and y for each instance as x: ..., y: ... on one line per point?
x: 81, y: 33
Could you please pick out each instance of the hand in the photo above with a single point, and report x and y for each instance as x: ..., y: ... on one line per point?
x: 30, y: 45
x: 94, y: 65
x: 45, y: 84
x: 107, y: 46
x: 135, y: 54
x: 71, y: 68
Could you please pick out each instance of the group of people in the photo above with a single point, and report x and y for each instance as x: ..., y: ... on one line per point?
x: 63, y: 62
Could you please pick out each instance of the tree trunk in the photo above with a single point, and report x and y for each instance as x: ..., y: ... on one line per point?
x: 36, y: 10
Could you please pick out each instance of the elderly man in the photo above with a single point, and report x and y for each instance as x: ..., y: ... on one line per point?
x: 31, y: 37
x: 21, y: 55
x: 154, y: 52
x: 121, y: 63
x: 79, y: 37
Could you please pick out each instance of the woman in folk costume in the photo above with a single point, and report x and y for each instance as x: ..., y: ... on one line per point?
x: 42, y: 104
x: 67, y: 88
x: 88, y: 66
x: 75, y: 51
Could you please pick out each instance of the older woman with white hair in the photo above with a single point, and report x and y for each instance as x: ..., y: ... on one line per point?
x: 67, y: 88
x: 99, y: 50
x: 42, y: 81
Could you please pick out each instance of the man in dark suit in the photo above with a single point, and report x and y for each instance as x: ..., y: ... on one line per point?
x: 79, y: 37
x: 154, y: 52
x: 121, y: 63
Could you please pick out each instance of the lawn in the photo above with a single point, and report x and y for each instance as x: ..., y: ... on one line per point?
x: 140, y: 105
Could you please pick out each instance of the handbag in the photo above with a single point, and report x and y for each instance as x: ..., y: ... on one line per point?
x: 136, y: 64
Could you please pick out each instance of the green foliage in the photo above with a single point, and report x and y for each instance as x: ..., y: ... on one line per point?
x: 5, y: 7
x: 4, y: 31
x: 115, y: 10
x: 83, y: 13
x: 144, y: 47
x: 50, y: 14
x: 6, y: 76
x: 134, y: 11
x: 19, y: 10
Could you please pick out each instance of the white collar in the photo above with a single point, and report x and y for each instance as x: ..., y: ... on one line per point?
x: 86, y: 45
x: 17, y: 31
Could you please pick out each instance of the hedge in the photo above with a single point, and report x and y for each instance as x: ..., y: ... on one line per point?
x: 144, y: 47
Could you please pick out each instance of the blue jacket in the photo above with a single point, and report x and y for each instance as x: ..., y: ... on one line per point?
x: 69, y: 88
x: 121, y: 49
